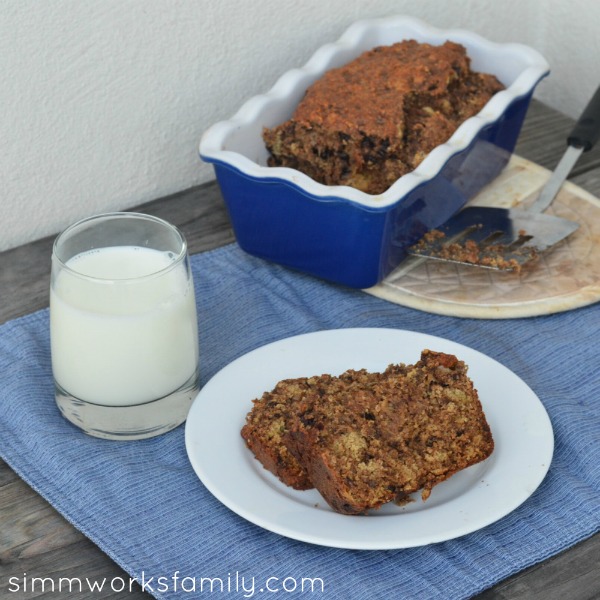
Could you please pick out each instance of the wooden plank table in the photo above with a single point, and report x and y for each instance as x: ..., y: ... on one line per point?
x: 37, y: 541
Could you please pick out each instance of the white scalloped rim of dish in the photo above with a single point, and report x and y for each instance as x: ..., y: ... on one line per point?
x: 238, y: 142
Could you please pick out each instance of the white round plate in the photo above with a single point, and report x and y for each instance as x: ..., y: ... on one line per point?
x: 466, y: 502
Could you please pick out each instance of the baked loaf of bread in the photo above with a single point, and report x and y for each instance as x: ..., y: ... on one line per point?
x: 366, y: 439
x: 375, y: 119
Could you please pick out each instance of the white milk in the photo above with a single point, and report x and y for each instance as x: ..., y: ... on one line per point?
x: 125, y: 342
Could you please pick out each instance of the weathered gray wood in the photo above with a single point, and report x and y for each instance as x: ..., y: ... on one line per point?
x: 572, y: 575
x: 38, y: 541
x: 25, y: 271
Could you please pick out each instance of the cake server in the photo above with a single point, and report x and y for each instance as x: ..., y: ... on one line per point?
x: 507, y: 238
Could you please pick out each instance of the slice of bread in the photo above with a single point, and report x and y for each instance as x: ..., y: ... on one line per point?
x: 365, y: 439
x: 267, y: 427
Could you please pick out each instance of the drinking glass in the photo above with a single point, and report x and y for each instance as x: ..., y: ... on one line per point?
x: 123, y: 326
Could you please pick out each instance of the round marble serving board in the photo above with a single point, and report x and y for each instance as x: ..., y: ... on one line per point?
x: 565, y: 277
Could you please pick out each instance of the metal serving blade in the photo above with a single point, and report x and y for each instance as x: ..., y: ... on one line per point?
x: 510, y: 237
x: 506, y: 239
x: 504, y: 226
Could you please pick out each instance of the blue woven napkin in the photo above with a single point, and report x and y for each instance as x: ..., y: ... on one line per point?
x: 143, y: 505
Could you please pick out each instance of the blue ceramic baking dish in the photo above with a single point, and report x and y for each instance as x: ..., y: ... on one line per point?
x: 339, y: 233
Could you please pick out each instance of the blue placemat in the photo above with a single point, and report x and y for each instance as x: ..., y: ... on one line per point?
x: 143, y: 505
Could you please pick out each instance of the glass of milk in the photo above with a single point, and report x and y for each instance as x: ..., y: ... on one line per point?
x: 123, y: 326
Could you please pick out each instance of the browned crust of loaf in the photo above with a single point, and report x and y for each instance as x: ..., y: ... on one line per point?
x: 409, y: 431
x: 371, y: 121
